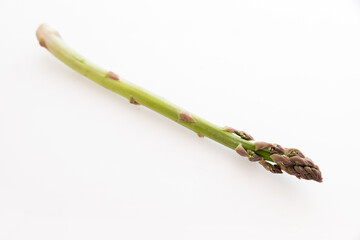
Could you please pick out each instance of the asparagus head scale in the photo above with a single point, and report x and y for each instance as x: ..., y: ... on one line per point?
x: 272, y: 157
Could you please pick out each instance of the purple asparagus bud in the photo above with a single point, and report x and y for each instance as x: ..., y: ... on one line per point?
x: 282, y: 160
x: 293, y: 152
x: 263, y: 145
x: 276, y: 148
x: 241, y: 134
x: 299, y: 161
x: 290, y: 170
x: 241, y: 151
x: 300, y: 167
x: 112, y: 76
x: 186, y: 117
x: 229, y: 129
x: 273, y: 148
x: 253, y: 157
x: 270, y: 167
x: 289, y: 160
x: 244, y: 135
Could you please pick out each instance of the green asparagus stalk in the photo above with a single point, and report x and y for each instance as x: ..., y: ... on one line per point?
x: 272, y: 157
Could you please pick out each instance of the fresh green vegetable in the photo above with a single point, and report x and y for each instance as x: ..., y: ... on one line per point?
x: 272, y: 157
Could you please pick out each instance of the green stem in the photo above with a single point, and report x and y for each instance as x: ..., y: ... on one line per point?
x: 51, y: 40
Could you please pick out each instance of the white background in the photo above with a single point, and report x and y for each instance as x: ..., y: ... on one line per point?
x: 79, y: 162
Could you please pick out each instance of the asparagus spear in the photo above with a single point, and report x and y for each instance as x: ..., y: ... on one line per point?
x: 272, y: 157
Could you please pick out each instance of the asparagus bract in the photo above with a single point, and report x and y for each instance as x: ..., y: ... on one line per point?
x: 272, y: 157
